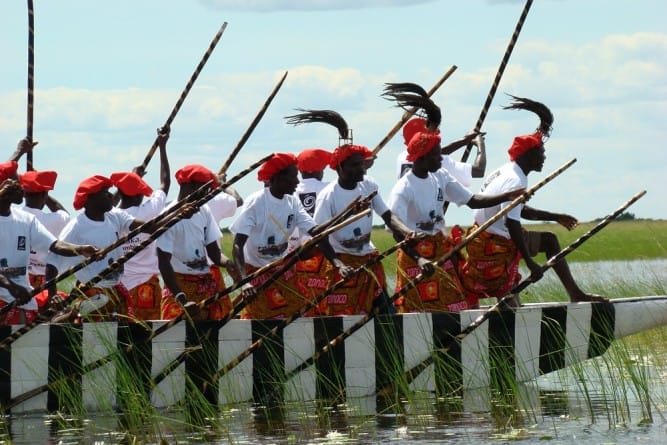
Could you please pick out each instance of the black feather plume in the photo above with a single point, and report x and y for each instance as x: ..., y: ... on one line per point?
x: 541, y: 110
x: 325, y: 116
x: 407, y: 101
x: 404, y: 87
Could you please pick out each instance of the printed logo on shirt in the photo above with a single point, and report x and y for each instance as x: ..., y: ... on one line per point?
x: 20, y: 244
x: 440, y: 195
x: 290, y: 221
x: 308, y: 201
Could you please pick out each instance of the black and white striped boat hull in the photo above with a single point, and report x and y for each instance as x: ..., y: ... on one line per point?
x: 536, y: 339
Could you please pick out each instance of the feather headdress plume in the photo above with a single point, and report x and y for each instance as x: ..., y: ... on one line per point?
x: 410, y: 95
x: 325, y: 116
x: 541, y: 110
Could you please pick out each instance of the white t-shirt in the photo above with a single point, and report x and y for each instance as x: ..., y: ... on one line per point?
x: 186, y: 241
x: 461, y: 171
x: 143, y: 265
x: 223, y: 205
x: 83, y: 230
x: 20, y: 232
x: 354, y: 238
x: 54, y: 223
x: 418, y: 201
x: 268, y: 222
x: 508, y: 177
x: 307, y: 191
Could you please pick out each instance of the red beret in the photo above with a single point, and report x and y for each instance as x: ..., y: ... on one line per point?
x: 412, y: 127
x: 345, y: 151
x: 522, y: 144
x: 313, y: 160
x: 8, y: 169
x: 88, y: 187
x: 34, y: 182
x: 195, y: 173
x: 277, y: 163
x: 422, y: 143
x: 130, y: 184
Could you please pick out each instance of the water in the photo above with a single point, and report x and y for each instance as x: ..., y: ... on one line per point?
x: 620, y: 397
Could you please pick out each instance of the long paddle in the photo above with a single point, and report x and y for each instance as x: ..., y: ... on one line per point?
x: 176, y: 217
x: 252, y: 126
x: 408, y: 114
x: 499, y: 75
x: 413, y: 372
x: 330, y: 228
x: 358, y: 325
x: 185, y: 92
x: 31, y: 79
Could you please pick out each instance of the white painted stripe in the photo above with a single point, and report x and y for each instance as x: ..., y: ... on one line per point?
x: 475, y: 352
x: 30, y: 367
x: 235, y: 337
x: 359, y: 358
x: 417, y: 346
x: 99, y: 340
x: 577, y: 332
x: 299, y: 340
x: 527, y: 325
x: 165, y: 349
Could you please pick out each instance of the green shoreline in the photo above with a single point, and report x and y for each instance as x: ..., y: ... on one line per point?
x: 627, y: 240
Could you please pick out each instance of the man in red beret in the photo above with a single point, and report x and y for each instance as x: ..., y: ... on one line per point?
x: 141, y: 273
x: 186, y: 250
x: 21, y: 232
x: 493, y: 257
x: 418, y: 198
x: 261, y: 234
x: 36, y: 187
x: 353, y: 242
x: 99, y: 224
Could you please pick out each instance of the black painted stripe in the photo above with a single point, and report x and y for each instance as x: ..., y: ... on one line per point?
x: 389, y: 350
x: 201, y: 363
x: 268, y: 370
x: 502, y: 363
x: 5, y: 367
x: 65, y: 360
x: 134, y: 373
x: 448, y: 370
x: 603, y: 322
x: 330, y: 368
x: 553, y: 341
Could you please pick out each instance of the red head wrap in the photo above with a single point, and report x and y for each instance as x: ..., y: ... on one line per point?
x: 345, y: 151
x: 131, y: 184
x: 414, y: 126
x: 34, y: 182
x: 522, y: 144
x: 195, y: 173
x: 422, y: 143
x: 277, y: 163
x: 313, y: 160
x: 88, y: 187
x: 8, y: 169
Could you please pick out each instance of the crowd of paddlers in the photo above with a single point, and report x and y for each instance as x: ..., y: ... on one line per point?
x: 301, y: 246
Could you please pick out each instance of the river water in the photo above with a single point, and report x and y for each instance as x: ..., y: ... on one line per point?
x: 618, y: 398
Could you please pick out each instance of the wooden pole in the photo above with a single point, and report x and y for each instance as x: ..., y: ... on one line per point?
x: 31, y: 81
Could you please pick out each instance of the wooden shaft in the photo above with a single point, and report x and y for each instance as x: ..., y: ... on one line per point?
x: 31, y: 81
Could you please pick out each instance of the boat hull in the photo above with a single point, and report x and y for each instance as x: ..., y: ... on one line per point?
x: 535, y: 339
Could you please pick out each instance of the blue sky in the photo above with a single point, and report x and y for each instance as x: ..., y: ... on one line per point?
x: 108, y: 73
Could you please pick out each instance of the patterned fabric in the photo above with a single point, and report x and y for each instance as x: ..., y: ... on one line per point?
x: 16, y: 315
x: 492, y: 266
x: 36, y: 280
x: 144, y: 300
x: 298, y: 286
x: 358, y: 293
x: 441, y: 291
x: 197, y: 288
